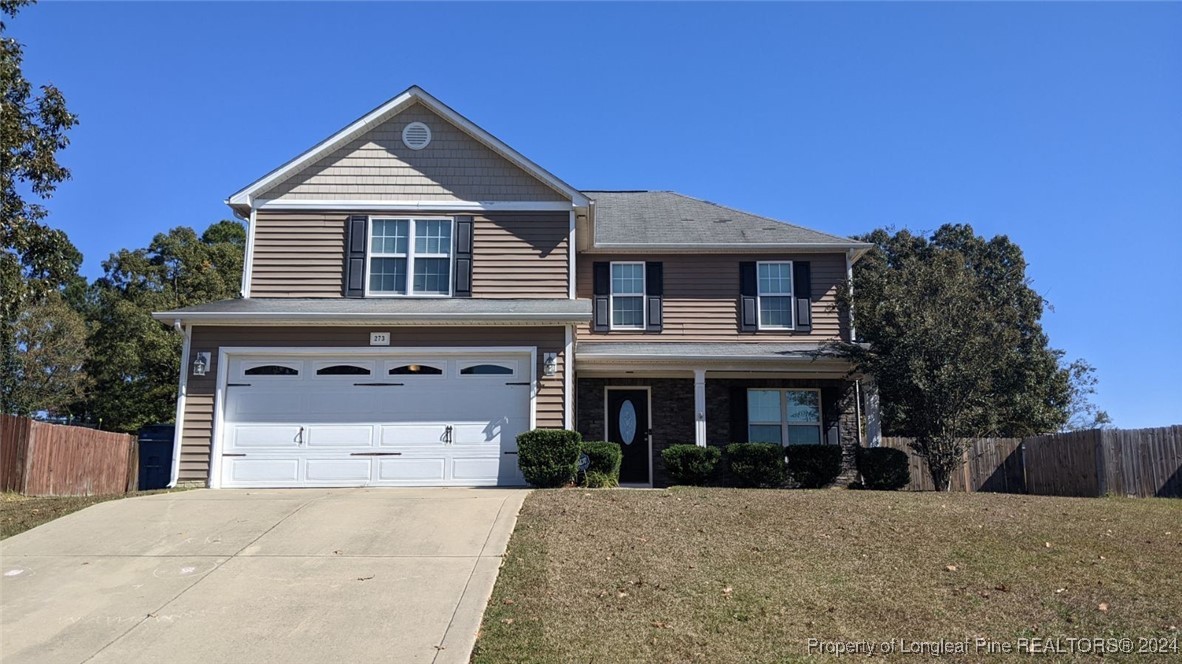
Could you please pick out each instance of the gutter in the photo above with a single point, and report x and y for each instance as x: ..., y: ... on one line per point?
x: 857, y: 248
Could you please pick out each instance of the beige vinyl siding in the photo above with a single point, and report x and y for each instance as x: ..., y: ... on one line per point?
x: 521, y: 255
x: 195, y: 438
x: 298, y: 254
x: 515, y: 254
x: 377, y: 166
x: 701, y: 300
x: 199, y: 402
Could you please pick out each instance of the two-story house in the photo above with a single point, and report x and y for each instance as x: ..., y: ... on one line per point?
x: 416, y: 293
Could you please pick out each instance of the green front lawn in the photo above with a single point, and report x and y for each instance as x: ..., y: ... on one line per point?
x: 728, y: 575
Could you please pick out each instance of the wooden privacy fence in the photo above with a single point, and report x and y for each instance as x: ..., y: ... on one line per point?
x: 1100, y: 462
x: 42, y: 459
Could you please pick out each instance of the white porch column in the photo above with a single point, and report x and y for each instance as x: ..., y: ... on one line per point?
x: 700, y: 407
x: 873, y: 413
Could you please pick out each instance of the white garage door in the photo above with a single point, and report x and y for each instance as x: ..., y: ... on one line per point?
x: 378, y: 420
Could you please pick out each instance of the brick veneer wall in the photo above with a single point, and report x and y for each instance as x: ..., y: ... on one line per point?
x: 673, y: 413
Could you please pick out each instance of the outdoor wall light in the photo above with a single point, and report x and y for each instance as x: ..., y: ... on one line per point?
x: 201, y: 364
x: 550, y: 364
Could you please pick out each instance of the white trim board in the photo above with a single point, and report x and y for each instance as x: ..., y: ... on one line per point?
x: 380, y: 114
x: 179, y: 426
x: 225, y: 353
x: 409, y: 206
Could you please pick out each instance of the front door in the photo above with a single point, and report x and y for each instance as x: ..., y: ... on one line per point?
x: 627, y: 424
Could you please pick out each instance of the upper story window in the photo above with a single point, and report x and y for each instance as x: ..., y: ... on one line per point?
x: 410, y: 256
x: 775, y: 295
x: 627, y: 296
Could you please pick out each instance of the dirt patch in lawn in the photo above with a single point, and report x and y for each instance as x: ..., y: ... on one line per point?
x: 20, y: 513
x: 723, y: 575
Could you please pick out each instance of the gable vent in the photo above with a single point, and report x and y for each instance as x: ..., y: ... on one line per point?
x: 416, y: 136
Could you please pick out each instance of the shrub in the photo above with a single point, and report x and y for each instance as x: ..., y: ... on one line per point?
x: 813, y: 466
x: 603, y: 467
x: 690, y: 464
x: 883, y: 468
x: 757, y: 464
x: 548, y: 457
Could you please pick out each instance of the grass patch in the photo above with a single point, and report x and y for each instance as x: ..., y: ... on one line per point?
x: 20, y: 513
x: 725, y: 575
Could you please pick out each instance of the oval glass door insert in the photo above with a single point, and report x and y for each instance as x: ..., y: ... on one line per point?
x: 627, y: 422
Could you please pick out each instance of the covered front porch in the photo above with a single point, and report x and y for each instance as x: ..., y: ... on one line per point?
x: 648, y: 396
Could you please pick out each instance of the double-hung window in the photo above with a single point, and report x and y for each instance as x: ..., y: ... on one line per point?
x: 627, y: 296
x: 787, y: 417
x: 410, y: 256
x: 775, y: 295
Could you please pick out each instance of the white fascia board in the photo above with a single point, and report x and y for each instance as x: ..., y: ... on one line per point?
x: 411, y: 206
x: 379, y: 115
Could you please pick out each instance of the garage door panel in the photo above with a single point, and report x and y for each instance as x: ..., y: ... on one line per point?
x: 418, y: 470
x: 500, y: 431
x: 468, y: 469
x: 338, y: 470
x: 265, y: 436
x: 419, y: 434
x: 345, y: 403
x: 258, y: 404
x: 277, y: 472
x: 341, y: 435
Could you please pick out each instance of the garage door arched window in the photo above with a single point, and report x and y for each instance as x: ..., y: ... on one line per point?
x: 415, y: 370
x: 271, y: 370
x: 343, y: 370
x: 487, y: 370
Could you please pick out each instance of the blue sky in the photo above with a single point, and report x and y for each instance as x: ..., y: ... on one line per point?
x: 1059, y: 125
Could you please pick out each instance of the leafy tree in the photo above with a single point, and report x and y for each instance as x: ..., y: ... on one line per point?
x: 955, y: 343
x: 135, y: 359
x: 51, y: 338
x: 34, y: 258
x: 1082, y: 413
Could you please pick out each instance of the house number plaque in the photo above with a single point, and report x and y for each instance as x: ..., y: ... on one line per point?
x: 379, y: 338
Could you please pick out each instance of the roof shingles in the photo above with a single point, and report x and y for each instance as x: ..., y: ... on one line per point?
x: 670, y: 218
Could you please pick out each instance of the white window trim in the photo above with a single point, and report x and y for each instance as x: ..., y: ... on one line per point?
x: 791, y: 295
x: 440, y: 364
x: 611, y: 296
x: 784, y: 423
x: 460, y: 366
x: 410, y: 256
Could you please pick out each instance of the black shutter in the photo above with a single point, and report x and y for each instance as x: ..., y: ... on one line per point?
x: 355, y: 257
x: 748, y: 293
x: 802, y: 289
x: 738, y: 415
x: 654, y: 290
x: 601, y: 318
x: 463, y: 277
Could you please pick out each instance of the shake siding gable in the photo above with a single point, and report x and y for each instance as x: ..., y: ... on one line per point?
x: 196, y: 439
x: 701, y: 298
x: 515, y: 254
x: 378, y: 166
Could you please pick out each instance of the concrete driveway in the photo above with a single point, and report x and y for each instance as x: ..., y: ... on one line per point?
x: 299, y: 575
